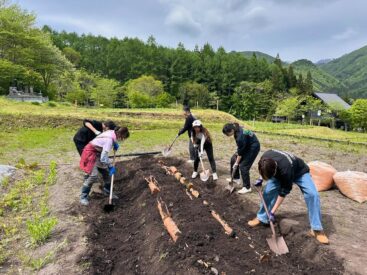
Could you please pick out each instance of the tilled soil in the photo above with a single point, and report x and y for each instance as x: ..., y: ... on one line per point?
x: 133, y: 239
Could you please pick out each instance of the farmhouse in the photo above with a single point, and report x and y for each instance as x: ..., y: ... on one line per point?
x: 332, y: 100
x: 335, y: 105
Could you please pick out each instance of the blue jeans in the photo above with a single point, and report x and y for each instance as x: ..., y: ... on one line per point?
x: 312, y: 199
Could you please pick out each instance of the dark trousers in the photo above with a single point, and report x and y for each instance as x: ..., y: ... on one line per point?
x: 80, y: 146
x: 191, y: 150
x: 92, y: 178
x: 245, y: 164
x: 208, y: 147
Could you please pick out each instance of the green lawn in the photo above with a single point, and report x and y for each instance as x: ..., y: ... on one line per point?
x: 18, y: 115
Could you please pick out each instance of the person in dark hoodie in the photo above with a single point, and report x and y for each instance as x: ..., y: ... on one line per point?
x: 189, y: 119
x: 91, y: 129
x: 281, y: 169
x: 248, y: 147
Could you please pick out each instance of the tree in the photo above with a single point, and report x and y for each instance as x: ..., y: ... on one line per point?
x: 288, y: 107
x: 105, y: 92
x: 358, y: 114
x: 193, y: 94
x: 250, y: 100
x: 23, y: 44
x: 146, y: 92
x: 308, y: 84
x: 72, y: 55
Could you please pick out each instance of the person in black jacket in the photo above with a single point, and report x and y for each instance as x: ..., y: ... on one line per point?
x: 90, y: 129
x: 248, y: 147
x: 189, y: 119
x: 281, y: 169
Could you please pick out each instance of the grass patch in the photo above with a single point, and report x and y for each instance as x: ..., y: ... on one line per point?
x: 40, y: 228
x: 24, y: 215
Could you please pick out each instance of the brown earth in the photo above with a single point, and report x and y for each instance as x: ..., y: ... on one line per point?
x: 133, y: 240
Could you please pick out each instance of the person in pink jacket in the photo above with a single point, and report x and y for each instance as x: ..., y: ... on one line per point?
x: 95, y: 160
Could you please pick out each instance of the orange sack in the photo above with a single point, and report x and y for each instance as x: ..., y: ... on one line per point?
x: 352, y: 184
x: 322, y: 175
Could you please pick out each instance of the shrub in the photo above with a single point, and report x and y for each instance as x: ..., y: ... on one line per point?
x: 51, y: 179
x: 36, y: 103
x: 38, y: 177
x: 51, y: 104
x: 40, y: 229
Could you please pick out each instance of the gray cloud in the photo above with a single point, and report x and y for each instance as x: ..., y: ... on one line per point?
x: 296, y: 29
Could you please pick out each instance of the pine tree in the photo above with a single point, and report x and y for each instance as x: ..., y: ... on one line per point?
x: 292, y: 79
x: 308, y: 85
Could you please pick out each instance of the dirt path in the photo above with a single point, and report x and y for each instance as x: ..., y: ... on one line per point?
x: 132, y: 239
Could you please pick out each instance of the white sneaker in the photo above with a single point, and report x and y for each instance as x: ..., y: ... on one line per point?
x: 215, y: 176
x: 244, y: 190
x: 194, y: 175
x: 190, y: 161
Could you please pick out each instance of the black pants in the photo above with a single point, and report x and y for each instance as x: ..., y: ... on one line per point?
x: 80, y: 146
x: 208, y: 147
x: 191, y: 150
x: 245, y: 164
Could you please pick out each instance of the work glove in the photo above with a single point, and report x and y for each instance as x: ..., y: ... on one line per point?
x: 259, y: 182
x: 97, y: 133
x: 116, y: 146
x: 200, y: 154
x: 235, y: 166
x: 196, y: 146
x: 112, y: 170
x: 271, y: 217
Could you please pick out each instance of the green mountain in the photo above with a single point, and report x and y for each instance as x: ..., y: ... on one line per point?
x: 259, y: 55
x: 351, y: 70
x: 322, y: 81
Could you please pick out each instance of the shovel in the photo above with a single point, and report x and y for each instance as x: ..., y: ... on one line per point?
x: 110, y: 207
x: 204, y: 175
x: 276, y: 244
x: 230, y: 186
x: 167, y: 151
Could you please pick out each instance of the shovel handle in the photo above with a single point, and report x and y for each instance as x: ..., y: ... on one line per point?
x: 112, y: 177
x: 266, y: 209
x: 202, y: 165
x: 169, y: 148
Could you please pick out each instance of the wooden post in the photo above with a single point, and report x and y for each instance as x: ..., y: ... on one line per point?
x: 217, y: 104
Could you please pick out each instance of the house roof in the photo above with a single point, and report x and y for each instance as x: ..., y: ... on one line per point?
x: 330, y: 99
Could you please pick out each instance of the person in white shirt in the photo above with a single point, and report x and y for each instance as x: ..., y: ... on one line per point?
x: 201, y: 139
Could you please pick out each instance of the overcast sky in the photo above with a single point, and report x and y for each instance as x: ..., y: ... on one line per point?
x: 312, y: 29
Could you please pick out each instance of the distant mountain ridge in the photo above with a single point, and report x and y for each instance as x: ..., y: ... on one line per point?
x: 322, y: 81
x: 351, y: 70
x: 346, y: 75
x: 267, y: 57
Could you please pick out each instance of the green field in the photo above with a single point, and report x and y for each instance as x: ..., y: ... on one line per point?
x: 31, y: 131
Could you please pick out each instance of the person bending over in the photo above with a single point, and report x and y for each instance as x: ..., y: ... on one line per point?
x: 95, y: 161
x: 248, y: 147
x: 90, y: 129
x: 201, y: 139
x: 281, y: 169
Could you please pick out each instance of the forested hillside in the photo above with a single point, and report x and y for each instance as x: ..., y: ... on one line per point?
x: 258, y: 54
x: 351, y: 69
x: 322, y: 81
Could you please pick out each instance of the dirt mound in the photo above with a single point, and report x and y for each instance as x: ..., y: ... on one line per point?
x: 133, y: 240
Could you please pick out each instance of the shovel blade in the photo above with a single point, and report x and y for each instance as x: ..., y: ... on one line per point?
x: 108, y: 208
x: 277, y: 245
x: 166, y: 152
x: 204, y: 176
